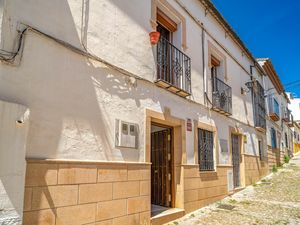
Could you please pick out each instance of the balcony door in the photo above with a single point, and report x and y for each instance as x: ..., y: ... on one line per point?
x: 164, y: 55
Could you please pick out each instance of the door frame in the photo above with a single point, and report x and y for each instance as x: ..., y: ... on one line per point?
x: 178, y: 147
x: 172, y: 159
x: 240, y: 133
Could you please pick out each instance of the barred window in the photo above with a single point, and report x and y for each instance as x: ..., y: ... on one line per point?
x: 206, y: 150
x: 259, y: 106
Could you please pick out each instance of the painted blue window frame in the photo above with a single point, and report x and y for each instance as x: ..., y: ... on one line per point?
x: 276, y: 107
x: 273, y: 138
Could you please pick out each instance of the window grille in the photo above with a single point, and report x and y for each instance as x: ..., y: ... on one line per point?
x: 259, y: 107
x: 205, y: 150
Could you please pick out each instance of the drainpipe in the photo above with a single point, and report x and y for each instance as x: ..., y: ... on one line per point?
x: 203, y: 65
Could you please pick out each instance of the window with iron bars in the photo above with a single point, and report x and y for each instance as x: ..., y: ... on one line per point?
x: 259, y: 106
x: 262, y: 153
x: 206, y: 150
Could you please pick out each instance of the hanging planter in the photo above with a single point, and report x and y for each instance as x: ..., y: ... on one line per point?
x: 154, y: 37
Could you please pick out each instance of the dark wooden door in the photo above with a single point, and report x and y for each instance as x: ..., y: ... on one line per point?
x: 235, y: 143
x: 161, y: 169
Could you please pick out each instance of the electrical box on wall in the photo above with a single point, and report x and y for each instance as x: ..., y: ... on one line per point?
x: 126, y: 134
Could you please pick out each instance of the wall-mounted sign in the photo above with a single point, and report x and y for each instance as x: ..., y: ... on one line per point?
x: 189, y: 126
x: 245, y: 139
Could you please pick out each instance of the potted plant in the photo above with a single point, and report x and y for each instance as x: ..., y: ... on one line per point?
x: 154, y: 37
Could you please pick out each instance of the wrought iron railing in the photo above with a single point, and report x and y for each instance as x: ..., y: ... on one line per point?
x: 173, y: 66
x: 259, y: 105
x: 286, y: 114
x: 221, y: 96
x: 291, y: 120
x: 273, y: 105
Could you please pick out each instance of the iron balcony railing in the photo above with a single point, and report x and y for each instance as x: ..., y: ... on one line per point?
x: 285, y: 114
x: 273, y: 106
x: 259, y: 107
x: 260, y: 121
x: 173, y: 68
x: 221, y: 96
x: 291, y: 120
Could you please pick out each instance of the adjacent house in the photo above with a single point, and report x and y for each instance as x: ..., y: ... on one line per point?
x: 126, y: 129
x: 294, y: 107
x: 280, y: 118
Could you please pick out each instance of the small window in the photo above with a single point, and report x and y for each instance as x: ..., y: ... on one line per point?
x: 125, y: 128
x: 132, y: 132
x: 206, y: 150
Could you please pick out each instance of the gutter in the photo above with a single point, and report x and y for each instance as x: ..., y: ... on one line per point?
x: 218, y: 16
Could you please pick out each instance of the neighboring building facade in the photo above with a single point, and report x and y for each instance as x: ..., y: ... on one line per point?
x: 296, y: 137
x: 294, y: 107
x: 280, y: 119
x: 120, y: 129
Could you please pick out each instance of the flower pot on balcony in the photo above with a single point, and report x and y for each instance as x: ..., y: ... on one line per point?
x: 154, y: 37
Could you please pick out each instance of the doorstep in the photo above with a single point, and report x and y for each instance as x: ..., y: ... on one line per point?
x: 163, y: 215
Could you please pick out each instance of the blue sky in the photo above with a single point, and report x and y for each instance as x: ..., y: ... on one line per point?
x: 269, y: 28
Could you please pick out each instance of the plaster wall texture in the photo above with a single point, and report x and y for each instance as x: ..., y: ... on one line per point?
x: 280, y: 126
x: 12, y: 160
x: 75, y: 101
x: 118, y: 32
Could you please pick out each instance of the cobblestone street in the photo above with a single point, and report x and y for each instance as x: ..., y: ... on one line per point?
x: 273, y: 200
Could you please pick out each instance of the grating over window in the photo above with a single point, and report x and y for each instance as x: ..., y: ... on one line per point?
x: 205, y: 150
x: 259, y: 106
x: 260, y: 149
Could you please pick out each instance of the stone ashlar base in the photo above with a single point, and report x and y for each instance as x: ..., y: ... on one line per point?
x: 100, y: 193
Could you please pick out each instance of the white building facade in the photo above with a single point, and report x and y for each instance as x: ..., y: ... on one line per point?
x: 280, y: 118
x: 105, y: 104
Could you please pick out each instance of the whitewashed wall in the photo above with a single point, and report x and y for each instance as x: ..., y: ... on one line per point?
x: 12, y: 161
x: 75, y: 101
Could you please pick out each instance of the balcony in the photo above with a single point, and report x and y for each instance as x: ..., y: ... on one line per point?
x: 286, y: 115
x: 259, y: 108
x: 273, y: 109
x: 173, y: 69
x: 260, y: 123
x: 291, y: 121
x: 221, y: 97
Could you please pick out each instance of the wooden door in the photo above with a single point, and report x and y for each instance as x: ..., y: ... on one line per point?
x: 235, y: 143
x: 161, y: 169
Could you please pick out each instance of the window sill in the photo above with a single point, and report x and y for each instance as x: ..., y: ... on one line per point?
x: 224, y: 165
x: 208, y: 172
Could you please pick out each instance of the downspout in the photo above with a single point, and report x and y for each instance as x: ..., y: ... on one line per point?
x: 203, y: 65
x: 252, y: 96
x: 205, y: 80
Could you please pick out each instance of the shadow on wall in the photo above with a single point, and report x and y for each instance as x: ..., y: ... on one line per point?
x: 12, y: 161
x: 73, y: 100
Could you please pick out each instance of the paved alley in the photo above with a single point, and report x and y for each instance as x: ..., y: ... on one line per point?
x: 273, y: 200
